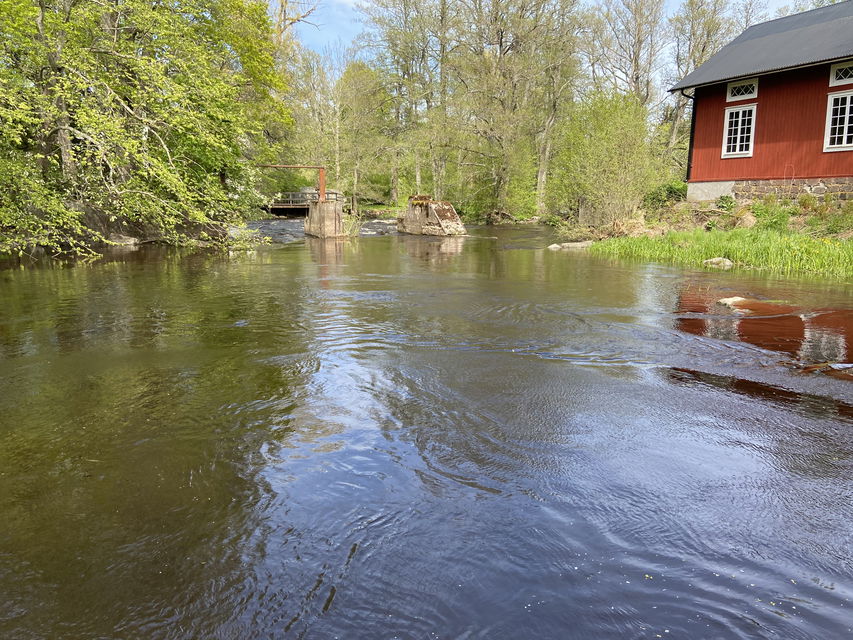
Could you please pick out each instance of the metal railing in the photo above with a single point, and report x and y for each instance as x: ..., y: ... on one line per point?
x: 303, y: 198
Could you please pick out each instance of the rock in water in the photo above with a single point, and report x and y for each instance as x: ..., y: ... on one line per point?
x: 718, y: 263
x: 123, y: 240
x: 554, y: 247
x: 732, y: 302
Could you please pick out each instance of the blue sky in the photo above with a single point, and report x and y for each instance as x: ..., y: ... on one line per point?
x: 334, y: 19
x: 339, y: 20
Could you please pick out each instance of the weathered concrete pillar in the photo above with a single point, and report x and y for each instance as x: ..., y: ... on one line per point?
x: 325, y: 219
x: 428, y: 217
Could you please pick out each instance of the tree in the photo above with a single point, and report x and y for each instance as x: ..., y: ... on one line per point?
x: 605, y: 164
x: 747, y: 13
x: 626, y: 39
x: 133, y: 114
x: 699, y: 29
x: 365, y: 106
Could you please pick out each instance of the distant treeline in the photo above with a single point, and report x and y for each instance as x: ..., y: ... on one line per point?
x: 523, y: 107
x: 149, y: 117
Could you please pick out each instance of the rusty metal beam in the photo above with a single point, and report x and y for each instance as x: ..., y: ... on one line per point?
x: 322, y: 170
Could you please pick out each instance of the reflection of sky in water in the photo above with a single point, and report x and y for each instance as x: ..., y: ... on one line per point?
x: 414, y: 437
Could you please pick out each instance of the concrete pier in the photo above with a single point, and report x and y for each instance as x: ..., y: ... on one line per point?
x: 325, y: 219
x: 428, y: 217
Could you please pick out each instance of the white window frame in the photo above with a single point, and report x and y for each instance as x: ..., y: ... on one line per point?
x: 829, y: 97
x: 838, y: 83
x: 739, y: 154
x: 740, y: 83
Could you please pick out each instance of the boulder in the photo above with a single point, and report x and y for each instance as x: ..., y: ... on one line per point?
x: 718, y: 263
x: 555, y: 247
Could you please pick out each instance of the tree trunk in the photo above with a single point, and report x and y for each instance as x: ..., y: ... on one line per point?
x: 338, y: 146
x: 544, y: 162
x: 417, y: 174
x: 542, y: 177
x: 436, y: 179
x: 395, y: 179
x: 676, y: 122
x: 355, y: 189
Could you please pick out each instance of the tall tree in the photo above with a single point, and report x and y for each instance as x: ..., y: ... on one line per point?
x: 699, y: 29
x: 626, y: 39
x: 135, y: 111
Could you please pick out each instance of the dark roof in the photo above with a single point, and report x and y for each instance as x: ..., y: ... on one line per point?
x: 819, y: 35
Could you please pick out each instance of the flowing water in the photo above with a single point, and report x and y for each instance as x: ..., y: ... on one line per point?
x: 405, y: 437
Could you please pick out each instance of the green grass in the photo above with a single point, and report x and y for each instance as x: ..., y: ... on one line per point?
x: 781, y: 252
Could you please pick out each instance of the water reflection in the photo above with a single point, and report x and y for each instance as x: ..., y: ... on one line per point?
x: 433, y: 250
x: 328, y: 251
x: 807, y: 335
x: 410, y: 437
x: 809, y: 404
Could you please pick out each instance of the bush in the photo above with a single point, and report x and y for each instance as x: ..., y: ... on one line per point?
x: 574, y: 233
x: 807, y: 202
x: 838, y: 221
x: 665, y: 195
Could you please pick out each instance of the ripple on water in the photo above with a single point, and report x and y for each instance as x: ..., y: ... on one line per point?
x: 382, y: 438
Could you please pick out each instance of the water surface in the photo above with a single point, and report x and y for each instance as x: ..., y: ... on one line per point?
x: 403, y: 437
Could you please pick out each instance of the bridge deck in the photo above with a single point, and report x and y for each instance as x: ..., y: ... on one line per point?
x: 302, y: 199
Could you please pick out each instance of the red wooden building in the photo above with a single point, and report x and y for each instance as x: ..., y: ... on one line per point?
x: 773, y: 110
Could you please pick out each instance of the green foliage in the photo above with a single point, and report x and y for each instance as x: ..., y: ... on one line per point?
x: 605, y: 162
x: 771, y: 215
x: 665, y: 195
x: 521, y: 196
x: 352, y: 223
x: 552, y: 220
x: 807, y: 202
x: 834, y: 221
x: 771, y: 250
x: 140, y: 118
x: 726, y: 203
x: 570, y: 232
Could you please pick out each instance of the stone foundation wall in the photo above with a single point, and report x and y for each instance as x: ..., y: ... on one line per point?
x: 841, y: 188
x: 428, y: 217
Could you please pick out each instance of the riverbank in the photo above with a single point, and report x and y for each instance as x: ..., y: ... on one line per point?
x: 772, y: 250
x: 809, y: 236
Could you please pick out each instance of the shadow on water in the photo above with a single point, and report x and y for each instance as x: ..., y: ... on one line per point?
x: 419, y: 437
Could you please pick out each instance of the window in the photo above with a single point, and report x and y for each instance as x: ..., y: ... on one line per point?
x: 841, y: 73
x: 742, y: 90
x: 839, y: 122
x: 739, y: 131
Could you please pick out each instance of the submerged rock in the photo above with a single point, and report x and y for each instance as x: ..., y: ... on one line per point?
x: 732, y: 302
x: 123, y: 240
x: 719, y: 263
x: 570, y: 245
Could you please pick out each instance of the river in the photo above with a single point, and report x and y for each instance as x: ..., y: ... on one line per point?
x: 407, y: 437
